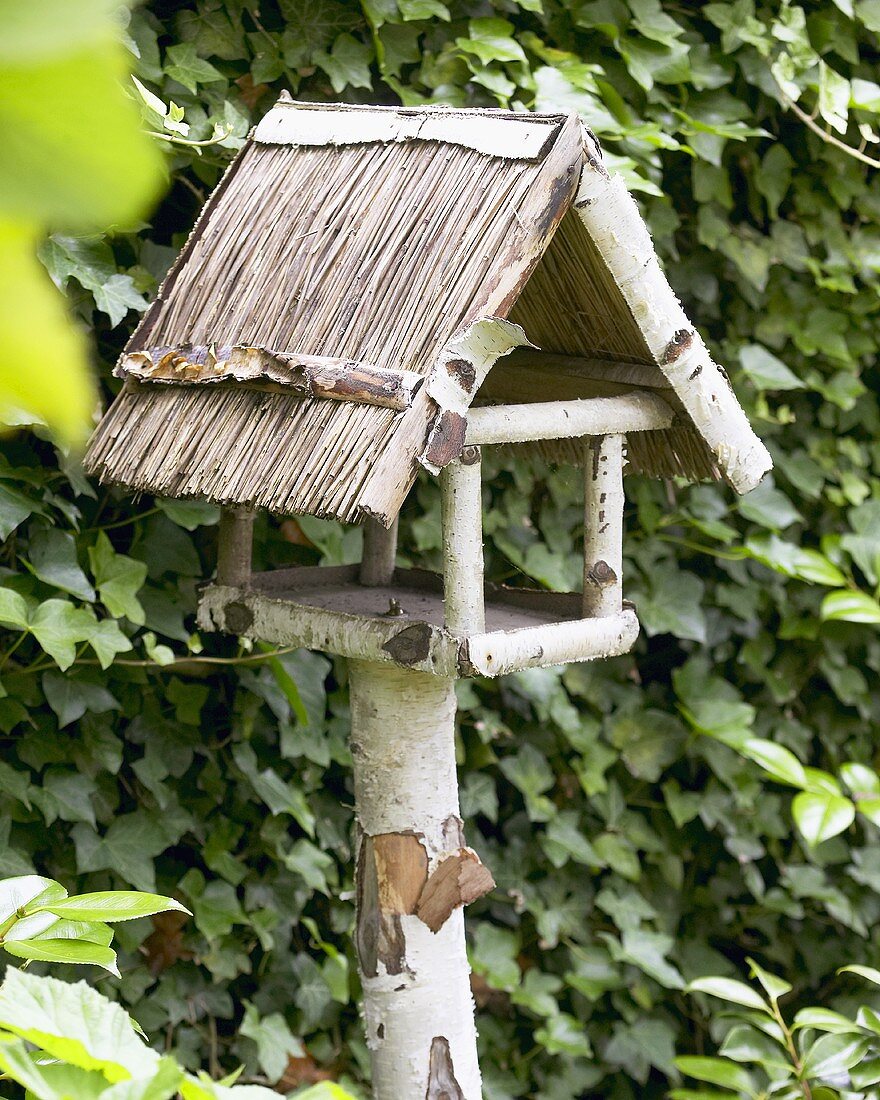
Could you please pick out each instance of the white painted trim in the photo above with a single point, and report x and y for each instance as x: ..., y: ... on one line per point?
x: 514, y: 137
x: 635, y: 412
x: 503, y: 651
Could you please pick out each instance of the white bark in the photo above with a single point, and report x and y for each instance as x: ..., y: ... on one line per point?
x: 515, y: 137
x: 503, y: 651
x: 462, y: 521
x: 379, y: 554
x: 635, y: 412
x: 603, y: 526
x: 416, y: 982
x: 235, y: 538
x: 612, y: 218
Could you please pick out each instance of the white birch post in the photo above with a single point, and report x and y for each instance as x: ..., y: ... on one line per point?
x: 234, y: 547
x: 462, y: 521
x: 603, y: 526
x: 413, y: 875
x: 379, y: 554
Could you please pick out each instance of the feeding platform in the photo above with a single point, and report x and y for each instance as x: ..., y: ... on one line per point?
x: 402, y: 622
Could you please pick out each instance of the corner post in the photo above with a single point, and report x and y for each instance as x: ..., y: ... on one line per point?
x: 413, y: 874
x: 379, y: 554
x: 235, y: 547
x: 462, y: 520
x: 603, y: 526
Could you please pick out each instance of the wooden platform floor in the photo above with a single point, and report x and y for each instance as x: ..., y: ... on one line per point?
x: 417, y: 593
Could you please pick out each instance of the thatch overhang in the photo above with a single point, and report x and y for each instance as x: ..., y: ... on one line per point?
x: 351, y: 283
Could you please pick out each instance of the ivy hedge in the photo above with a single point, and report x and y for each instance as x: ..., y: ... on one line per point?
x: 640, y: 828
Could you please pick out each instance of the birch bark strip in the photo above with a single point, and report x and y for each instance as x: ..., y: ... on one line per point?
x: 379, y: 554
x: 417, y: 996
x: 603, y: 527
x: 462, y: 521
x: 635, y: 412
x: 235, y: 547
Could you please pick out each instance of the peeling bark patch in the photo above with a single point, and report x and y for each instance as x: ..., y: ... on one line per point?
x: 457, y: 880
x: 238, y: 618
x: 442, y: 1084
x: 463, y: 372
x: 264, y: 368
x: 411, y: 646
x: 446, y: 440
x: 391, y: 874
x: 677, y: 346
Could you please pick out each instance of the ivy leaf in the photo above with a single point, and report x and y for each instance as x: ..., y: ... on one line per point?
x: 275, y: 1043
x: 70, y: 698
x: 52, y: 555
x: 185, y: 66
x: 59, y: 626
x: 491, y: 39
x: 89, y: 260
x: 834, y: 97
x: 117, y: 295
x: 766, y: 371
x: 347, y: 64
x: 119, y: 579
x: 13, y: 609
x: 106, y: 639
x: 128, y: 847
x: 820, y: 816
x: 15, y: 508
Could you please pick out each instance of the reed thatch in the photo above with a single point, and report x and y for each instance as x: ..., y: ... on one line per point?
x: 374, y: 237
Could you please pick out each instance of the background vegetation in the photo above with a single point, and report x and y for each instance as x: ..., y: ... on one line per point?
x: 635, y: 844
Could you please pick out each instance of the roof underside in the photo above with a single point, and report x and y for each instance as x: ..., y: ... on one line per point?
x: 383, y: 251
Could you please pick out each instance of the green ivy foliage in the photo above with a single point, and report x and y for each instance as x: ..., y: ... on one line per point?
x: 639, y: 828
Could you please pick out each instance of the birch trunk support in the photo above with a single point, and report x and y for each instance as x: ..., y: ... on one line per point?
x: 379, y: 554
x: 235, y: 540
x: 603, y: 526
x: 413, y: 875
x: 462, y: 521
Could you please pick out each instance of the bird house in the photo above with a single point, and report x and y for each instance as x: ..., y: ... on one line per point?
x: 368, y: 293
x: 371, y: 291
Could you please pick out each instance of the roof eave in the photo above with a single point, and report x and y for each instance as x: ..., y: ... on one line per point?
x: 611, y: 216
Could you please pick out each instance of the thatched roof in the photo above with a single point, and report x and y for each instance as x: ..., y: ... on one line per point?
x: 346, y: 286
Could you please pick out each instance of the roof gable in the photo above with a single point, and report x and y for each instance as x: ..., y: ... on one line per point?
x: 396, y: 239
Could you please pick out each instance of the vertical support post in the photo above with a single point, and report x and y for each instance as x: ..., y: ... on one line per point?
x: 418, y: 1006
x: 462, y: 521
x: 603, y: 526
x: 379, y: 554
x: 234, y: 547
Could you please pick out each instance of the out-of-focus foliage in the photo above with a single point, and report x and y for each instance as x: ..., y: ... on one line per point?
x: 74, y: 158
x: 638, y: 815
